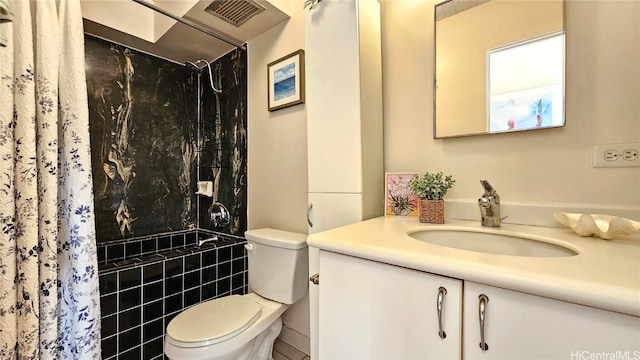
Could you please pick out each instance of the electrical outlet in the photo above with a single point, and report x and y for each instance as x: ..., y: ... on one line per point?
x: 630, y: 154
x: 616, y: 155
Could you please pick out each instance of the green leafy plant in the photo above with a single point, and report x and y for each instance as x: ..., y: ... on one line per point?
x: 431, y: 186
x: 310, y: 4
x: 401, y: 205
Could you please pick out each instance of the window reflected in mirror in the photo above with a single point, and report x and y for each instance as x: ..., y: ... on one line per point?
x: 526, y: 83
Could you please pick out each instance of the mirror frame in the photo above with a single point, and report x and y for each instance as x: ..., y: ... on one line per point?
x: 486, y: 112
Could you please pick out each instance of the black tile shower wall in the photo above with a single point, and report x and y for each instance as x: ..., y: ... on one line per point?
x: 139, y: 296
x: 143, y: 248
x: 145, y: 115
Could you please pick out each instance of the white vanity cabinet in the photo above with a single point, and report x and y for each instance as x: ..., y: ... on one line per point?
x: 523, y: 326
x: 370, y: 310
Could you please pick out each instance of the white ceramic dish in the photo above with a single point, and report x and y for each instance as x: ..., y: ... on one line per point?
x: 600, y: 225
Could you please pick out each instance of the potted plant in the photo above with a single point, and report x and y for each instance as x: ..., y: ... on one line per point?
x: 430, y: 188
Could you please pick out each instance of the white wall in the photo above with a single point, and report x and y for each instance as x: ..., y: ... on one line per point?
x: 539, y: 167
x: 277, y: 145
x: 277, y: 150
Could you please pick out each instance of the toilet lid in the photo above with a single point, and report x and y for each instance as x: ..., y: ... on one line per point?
x: 218, y: 319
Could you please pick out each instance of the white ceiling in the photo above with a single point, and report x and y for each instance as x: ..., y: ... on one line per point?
x: 134, y: 25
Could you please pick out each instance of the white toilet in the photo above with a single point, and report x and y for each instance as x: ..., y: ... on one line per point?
x: 245, y: 327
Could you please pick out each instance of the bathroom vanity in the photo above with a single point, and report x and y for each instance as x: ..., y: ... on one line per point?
x: 387, y: 291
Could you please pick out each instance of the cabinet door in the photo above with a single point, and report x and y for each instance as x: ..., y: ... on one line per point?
x: 329, y: 211
x: 371, y: 310
x: 333, y: 90
x: 523, y: 326
x: 344, y: 92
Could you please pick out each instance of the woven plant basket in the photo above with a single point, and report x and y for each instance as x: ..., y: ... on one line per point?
x: 431, y: 211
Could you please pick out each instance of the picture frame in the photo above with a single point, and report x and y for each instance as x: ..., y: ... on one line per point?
x: 285, y: 81
x: 399, y: 199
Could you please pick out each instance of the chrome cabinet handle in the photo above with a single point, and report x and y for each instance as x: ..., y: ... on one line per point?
x: 483, y: 307
x: 309, y: 214
x: 441, y: 293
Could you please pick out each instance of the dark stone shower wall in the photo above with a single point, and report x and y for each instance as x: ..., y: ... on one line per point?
x: 223, y: 127
x: 145, y: 148
x: 143, y: 134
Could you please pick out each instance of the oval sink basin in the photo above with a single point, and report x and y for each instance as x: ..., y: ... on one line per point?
x: 488, y: 242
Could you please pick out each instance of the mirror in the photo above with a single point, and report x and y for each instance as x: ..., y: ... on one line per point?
x: 499, y: 66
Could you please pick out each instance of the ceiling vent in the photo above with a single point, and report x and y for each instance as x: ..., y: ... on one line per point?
x: 235, y: 12
x: 449, y: 8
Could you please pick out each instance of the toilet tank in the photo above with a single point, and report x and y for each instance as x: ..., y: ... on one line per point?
x: 278, y: 264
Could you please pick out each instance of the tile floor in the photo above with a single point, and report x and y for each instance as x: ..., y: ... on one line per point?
x: 284, y: 351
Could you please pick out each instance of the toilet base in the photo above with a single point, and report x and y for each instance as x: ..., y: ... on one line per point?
x: 261, y: 348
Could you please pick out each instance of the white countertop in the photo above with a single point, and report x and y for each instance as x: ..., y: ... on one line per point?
x: 605, y: 273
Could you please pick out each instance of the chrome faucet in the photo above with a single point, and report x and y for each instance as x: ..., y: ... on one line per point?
x: 489, y: 204
x: 204, y: 241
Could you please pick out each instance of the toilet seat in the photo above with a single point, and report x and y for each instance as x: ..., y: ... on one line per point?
x: 213, y: 321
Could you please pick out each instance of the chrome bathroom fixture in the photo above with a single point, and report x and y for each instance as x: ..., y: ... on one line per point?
x: 489, y: 204
x: 195, y: 67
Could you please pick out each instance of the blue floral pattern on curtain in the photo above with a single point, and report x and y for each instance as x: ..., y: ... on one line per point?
x: 49, y: 297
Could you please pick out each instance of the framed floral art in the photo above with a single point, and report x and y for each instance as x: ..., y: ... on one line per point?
x: 399, y: 199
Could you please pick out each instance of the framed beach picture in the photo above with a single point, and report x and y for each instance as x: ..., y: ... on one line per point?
x: 286, y: 81
x: 399, y: 199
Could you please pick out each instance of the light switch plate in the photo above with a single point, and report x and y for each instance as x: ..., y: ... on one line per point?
x: 616, y: 155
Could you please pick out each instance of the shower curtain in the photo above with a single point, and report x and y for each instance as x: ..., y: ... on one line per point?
x: 49, y: 298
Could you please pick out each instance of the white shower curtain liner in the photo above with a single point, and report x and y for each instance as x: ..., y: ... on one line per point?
x: 49, y: 298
